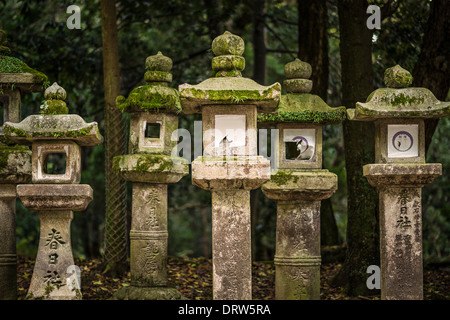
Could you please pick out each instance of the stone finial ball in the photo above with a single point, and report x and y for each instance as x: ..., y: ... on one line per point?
x: 297, y: 69
x: 158, y: 62
x: 397, y: 77
x: 55, y: 92
x: 228, y: 44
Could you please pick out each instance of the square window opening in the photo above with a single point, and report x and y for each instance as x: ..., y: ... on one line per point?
x: 152, y: 130
x: 55, y: 163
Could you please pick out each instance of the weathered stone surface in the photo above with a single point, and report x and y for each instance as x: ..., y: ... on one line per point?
x: 55, y: 197
x: 55, y: 92
x: 148, y: 235
x: 150, y: 98
x: 227, y: 44
x: 8, y: 258
x: 397, y: 77
x: 225, y: 91
x: 211, y: 129
x: 231, y: 236
x: 50, y: 274
x: 399, y: 103
x: 222, y: 173
x: 298, y: 85
x: 297, y: 69
x: 15, y: 164
x: 296, y: 185
x: 147, y: 293
x: 152, y: 168
x: 163, y: 144
x: 297, y: 257
x: 304, y: 108
x: 158, y: 62
x: 401, y: 174
x: 40, y: 151
x: 401, y: 243
x: 56, y: 127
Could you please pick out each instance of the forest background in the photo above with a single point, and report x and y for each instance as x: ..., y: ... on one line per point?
x: 348, y: 63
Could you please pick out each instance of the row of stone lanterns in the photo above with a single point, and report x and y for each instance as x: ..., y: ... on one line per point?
x: 232, y: 107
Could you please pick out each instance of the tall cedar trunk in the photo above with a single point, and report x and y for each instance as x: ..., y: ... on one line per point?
x: 259, y: 42
x: 313, y: 48
x: 259, y: 75
x: 432, y: 69
x: 357, y: 84
x: 116, y: 203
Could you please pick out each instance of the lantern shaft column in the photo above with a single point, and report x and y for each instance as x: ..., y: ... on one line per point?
x: 8, y: 258
x: 231, y: 241
x: 399, y: 187
x: 297, y: 257
x: 230, y: 183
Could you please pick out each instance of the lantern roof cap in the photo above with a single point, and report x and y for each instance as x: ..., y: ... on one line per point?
x: 399, y: 101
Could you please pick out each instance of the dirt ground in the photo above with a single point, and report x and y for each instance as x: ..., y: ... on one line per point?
x: 193, y: 278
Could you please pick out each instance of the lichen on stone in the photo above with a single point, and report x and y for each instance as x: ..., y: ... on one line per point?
x: 150, y: 98
x: 14, y: 65
x: 304, y: 108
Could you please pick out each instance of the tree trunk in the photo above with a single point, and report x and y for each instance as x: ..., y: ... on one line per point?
x: 115, y: 255
x: 359, y: 140
x: 259, y: 42
x: 432, y: 69
x: 313, y: 48
x: 313, y: 42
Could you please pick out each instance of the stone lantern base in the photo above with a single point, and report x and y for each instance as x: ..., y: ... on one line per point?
x: 150, y: 175
x: 147, y: 293
x: 53, y: 277
x: 297, y: 258
x: 399, y: 187
x: 230, y: 180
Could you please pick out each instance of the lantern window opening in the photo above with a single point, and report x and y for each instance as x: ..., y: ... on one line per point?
x: 152, y: 130
x: 55, y: 163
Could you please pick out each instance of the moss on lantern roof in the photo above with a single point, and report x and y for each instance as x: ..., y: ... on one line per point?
x: 150, y: 98
x: 229, y: 90
x: 304, y: 107
x: 66, y: 126
x: 404, y: 103
x: 16, y: 66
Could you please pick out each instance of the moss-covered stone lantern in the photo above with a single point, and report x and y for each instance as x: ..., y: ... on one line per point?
x: 154, y: 109
x: 399, y: 174
x: 298, y: 183
x: 230, y: 166
x: 55, y: 192
x: 16, y: 78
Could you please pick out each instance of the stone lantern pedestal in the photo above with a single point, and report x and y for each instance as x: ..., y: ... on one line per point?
x: 297, y: 257
x: 150, y: 175
x: 400, y: 188
x: 230, y: 166
x: 298, y: 183
x: 399, y: 174
x: 16, y: 78
x: 230, y: 183
x: 56, y: 138
x: 150, y: 167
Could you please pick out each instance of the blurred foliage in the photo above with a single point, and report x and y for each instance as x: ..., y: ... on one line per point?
x: 183, y: 30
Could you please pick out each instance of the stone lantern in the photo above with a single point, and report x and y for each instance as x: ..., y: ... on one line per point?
x: 399, y: 174
x: 298, y: 183
x: 16, y: 78
x: 230, y: 166
x: 150, y: 167
x: 56, y: 138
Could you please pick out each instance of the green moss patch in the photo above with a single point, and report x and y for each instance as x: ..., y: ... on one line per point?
x: 304, y: 108
x: 14, y: 65
x: 150, y: 98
